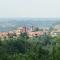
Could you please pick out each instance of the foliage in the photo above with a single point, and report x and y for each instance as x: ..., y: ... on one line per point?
x: 24, y: 48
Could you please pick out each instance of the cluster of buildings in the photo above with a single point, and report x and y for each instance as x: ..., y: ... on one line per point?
x: 20, y: 30
x: 30, y: 32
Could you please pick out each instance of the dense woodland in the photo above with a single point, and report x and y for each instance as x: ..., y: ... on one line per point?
x: 36, y: 48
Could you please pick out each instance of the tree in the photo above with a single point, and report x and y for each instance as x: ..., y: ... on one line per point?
x: 51, y: 29
x: 0, y: 42
x: 24, y: 35
x: 36, y: 29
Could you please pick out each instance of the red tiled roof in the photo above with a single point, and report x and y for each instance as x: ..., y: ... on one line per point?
x: 38, y: 33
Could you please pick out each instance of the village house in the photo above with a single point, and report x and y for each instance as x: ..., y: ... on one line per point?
x: 55, y: 33
x: 36, y: 33
x: 3, y: 35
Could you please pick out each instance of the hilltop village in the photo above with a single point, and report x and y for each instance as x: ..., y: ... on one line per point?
x: 32, y: 31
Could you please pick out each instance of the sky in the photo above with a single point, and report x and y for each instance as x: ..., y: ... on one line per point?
x: 30, y: 8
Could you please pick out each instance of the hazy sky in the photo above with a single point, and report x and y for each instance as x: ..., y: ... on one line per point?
x: 30, y: 8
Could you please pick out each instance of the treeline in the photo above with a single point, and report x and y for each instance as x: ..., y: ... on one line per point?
x: 24, y: 48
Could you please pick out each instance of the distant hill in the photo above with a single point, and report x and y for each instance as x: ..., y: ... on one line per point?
x: 11, y: 24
